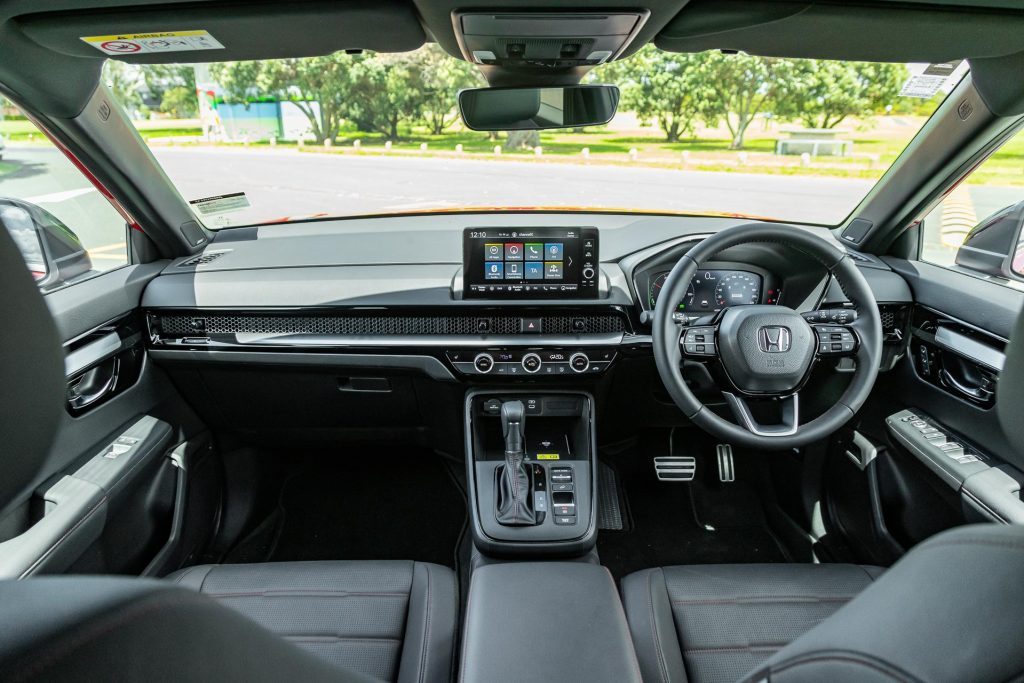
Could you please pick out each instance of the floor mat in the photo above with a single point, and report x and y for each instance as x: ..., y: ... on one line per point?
x: 391, y: 503
x: 702, y: 522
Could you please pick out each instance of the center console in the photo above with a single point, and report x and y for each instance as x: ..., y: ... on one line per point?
x: 531, y: 471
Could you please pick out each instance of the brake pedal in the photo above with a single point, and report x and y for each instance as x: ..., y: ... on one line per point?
x: 675, y: 468
x: 726, y: 464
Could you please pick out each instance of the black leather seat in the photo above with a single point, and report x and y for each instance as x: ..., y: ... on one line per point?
x: 719, y: 622
x: 392, y: 620
x: 949, y: 610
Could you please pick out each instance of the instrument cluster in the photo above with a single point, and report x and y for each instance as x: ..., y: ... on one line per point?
x: 712, y: 290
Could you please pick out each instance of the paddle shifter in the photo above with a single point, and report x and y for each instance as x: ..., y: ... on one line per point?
x: 514, y: 500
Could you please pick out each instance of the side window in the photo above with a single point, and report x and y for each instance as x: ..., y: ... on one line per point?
x: 66, y: 230
x: 977, y: 226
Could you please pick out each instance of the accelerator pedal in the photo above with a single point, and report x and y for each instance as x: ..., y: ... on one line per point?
x: 726, y: 464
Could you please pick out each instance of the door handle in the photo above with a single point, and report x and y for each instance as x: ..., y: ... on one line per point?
x: 974, y: 392
x: 93, y: 384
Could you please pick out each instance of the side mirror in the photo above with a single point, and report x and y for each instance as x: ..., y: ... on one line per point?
x: 572, y: 106
x: 995, y: 246
x: 53, y: 253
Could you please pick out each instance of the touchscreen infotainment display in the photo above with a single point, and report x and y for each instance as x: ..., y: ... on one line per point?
x: 553, y: 263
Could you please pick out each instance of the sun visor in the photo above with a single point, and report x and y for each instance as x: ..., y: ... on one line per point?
x: 210, y: 32
x: 875, y: 32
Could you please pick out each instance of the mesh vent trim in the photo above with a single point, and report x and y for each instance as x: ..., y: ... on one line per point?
x: 180, y: 324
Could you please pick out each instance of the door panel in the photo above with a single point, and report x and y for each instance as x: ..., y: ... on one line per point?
x: 911, y: 480
x: 114, y: 490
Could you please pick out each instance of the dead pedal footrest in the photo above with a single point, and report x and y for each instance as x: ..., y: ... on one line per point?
x: 675, y: 468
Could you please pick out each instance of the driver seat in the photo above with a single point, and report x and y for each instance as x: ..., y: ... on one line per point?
x: 949, y: 610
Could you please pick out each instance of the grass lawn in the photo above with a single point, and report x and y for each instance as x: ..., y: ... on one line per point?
x: 876, y: 144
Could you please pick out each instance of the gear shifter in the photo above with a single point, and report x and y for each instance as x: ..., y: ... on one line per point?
x: 514, y: 485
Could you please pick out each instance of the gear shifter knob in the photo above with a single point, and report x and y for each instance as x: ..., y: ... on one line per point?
x: 513, y: 425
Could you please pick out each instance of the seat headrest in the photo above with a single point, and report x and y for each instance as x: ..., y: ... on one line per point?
x: 1010, y: 392
x: 32, y: 381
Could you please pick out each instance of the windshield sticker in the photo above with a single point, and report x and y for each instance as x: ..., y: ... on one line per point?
x: 929, y: 82
x: 149, y: 43
x: 222, y: 203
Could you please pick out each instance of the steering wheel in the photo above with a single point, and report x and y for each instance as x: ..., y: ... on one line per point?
x: 767, y: 351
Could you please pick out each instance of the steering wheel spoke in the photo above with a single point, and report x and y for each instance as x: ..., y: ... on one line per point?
x: 699, y: 341
x: 790, y: 418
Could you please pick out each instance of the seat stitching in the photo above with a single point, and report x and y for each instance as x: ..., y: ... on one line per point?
x: 426, y: 630
x: 662, y: 667
x: 735, y: 648
x: 315, y: 638
x: 782, y: 599
x: 855, y: 658
x: 298, y: 592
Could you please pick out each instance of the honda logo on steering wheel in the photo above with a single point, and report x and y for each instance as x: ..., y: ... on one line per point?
x: 773, y: 339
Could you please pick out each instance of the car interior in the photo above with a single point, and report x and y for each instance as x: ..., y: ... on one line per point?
x: 678, y: 448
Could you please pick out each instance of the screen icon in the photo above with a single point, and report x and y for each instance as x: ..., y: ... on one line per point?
x: 552, y: 270
x: 553, y: 251
x: 494, y: 271
x: 513, y: 251
x: 513, y: 270
x: 494, y: 252
x: 534, y: 271
x: 534, y: 251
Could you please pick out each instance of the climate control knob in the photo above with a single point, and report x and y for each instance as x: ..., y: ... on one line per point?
x: 531, y: 363
x: 483, y: 363
x: 579, y: 362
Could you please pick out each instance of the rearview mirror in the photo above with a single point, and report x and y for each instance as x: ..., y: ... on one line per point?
x: 995, y: 246
x: 572, y: 106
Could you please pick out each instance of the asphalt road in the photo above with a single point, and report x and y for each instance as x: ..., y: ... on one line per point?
x: 286, y: 183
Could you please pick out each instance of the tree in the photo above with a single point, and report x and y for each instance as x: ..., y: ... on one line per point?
x: 821, y: 94
x: 442, y: 78
x: 180, y: 102
x: 324, y: 80
x: 386, y: 91
x: 665, y: 87
x: 161, y: 78
x: 743, y: 86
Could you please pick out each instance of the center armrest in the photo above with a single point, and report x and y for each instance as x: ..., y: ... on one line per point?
x: 557, y: 621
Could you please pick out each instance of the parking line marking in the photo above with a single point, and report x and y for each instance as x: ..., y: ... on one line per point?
x: 55, y: 197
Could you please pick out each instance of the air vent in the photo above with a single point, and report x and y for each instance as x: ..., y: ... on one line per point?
x: 385, y: 324
x: 203, y: 259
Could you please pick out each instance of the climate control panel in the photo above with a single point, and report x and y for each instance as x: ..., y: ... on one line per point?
x: 525, y: 363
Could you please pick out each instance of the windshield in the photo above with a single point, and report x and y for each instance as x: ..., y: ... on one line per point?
x: 357, y: 134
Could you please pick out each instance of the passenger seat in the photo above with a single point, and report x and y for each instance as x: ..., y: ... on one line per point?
x: 391, y: 620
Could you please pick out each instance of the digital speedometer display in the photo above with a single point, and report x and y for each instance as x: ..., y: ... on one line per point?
x: 712, y: 290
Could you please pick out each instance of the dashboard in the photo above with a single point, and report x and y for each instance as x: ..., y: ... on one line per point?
x: 571, y: 296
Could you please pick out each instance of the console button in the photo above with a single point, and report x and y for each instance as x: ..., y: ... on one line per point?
x: 564, y: 521
x: 531, y: 363
x: 565, y: 510
x: 579, y: 362
x: 483, y: 363
x: 532, y: 406
x: 467, y: 368
x: 531, y: 325
x: 563, y: 486
x: 492, y: 406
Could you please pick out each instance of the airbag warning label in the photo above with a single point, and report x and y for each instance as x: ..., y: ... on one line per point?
x: 148, y: 43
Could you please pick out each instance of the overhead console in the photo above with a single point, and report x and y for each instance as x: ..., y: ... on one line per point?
x: 530, y: 263
x: 546, y: 40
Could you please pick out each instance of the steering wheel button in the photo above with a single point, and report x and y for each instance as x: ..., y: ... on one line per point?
x: 848, y: 346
